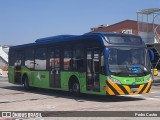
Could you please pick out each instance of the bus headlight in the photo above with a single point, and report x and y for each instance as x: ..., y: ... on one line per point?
x: 149, y: 79
x: 114, y: 80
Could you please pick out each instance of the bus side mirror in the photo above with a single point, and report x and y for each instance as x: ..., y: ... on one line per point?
x: 106, y: 53
x: 151, y: 54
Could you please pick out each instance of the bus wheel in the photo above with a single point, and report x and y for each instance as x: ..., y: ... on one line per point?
x: 26, y: 83
x: 76, y: 88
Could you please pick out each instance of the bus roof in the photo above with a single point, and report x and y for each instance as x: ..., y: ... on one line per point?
x: 64, y: 38
x: 61, y: 38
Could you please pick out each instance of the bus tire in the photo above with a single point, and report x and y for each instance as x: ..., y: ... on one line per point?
x: 76, y: 88
x: 26, y: 83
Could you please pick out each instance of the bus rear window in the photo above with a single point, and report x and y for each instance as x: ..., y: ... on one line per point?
x: 124, y: 40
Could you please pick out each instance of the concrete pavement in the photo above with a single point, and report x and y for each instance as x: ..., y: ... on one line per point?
x: 156, y: 79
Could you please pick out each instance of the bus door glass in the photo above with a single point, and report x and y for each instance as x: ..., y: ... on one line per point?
x: 93, y: 68
x: 54, y: 67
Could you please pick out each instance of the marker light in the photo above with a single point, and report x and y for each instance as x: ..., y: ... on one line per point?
x: 114, y: 80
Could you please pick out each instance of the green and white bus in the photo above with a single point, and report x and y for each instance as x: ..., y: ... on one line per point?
x: 93, y: 63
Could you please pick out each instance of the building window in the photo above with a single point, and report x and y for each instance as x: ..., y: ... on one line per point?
x: 40, y: 59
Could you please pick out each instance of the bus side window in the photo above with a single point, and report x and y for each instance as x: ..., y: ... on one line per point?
x: 78, y: 58
x: 19, y: 58
x: 67, y: 58
x: 29, y: 58
x: 40, y: 59
x: 11, y: 57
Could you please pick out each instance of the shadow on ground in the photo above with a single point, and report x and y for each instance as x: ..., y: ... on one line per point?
x: 81, y: 98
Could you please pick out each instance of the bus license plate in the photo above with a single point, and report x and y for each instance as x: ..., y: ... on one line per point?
x: 134, y: 89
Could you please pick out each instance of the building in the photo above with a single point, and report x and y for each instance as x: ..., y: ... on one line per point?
x: 4, y: 59
x: 126, y: 26
x: 145, y: 30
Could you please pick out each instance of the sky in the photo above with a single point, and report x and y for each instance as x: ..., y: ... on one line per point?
x: 24, y: 21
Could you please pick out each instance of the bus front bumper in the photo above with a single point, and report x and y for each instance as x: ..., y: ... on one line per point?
x: 119, y: 89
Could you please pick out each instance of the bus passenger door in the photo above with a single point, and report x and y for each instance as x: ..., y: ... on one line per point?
x: 55, y: 68
x: 93, y: 68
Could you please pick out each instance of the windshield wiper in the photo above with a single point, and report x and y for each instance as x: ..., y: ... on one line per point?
x: 118, y: 73
x: 122, y: 71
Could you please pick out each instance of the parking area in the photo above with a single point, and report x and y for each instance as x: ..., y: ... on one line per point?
x: 15, y: 98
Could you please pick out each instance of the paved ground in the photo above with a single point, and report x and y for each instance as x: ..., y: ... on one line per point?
x: 15, y: 98
x: 157, y: 78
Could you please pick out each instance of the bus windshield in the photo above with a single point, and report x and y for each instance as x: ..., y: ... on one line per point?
x: 127, y: 61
